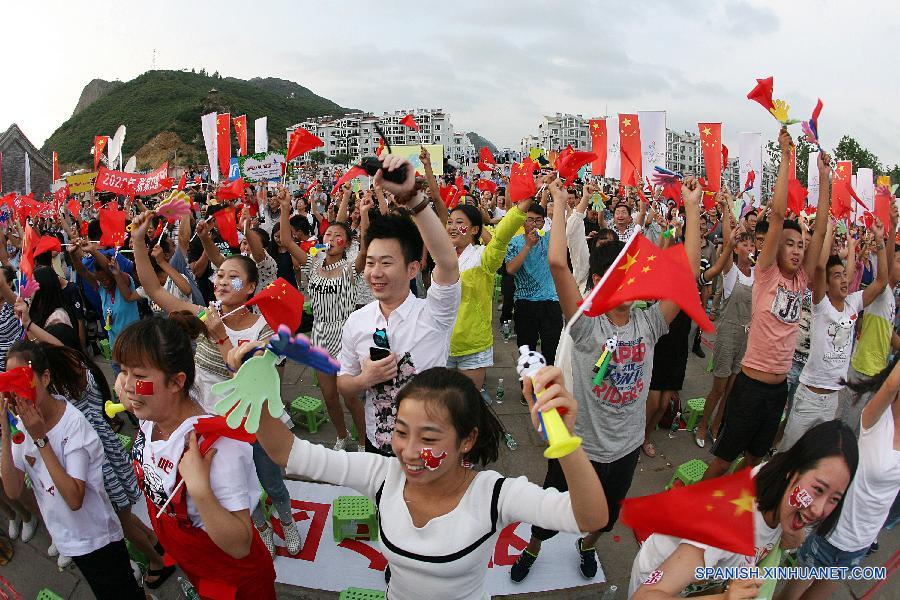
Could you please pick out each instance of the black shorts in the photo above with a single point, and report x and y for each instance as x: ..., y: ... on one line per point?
x: 107, y: 571
x: 752, y: 414
x: 615, y: 477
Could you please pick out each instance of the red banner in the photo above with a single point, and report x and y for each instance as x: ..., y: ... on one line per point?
x: 711, y: 145
x: 121, y: 183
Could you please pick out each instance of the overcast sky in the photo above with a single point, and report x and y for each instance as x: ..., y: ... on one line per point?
x: 496, y: 67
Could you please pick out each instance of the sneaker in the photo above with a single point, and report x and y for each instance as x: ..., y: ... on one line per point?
x: 523, y: 401
x: 698, y: 351
x: 522, y: 566
x: 29, y: 529
x: 291, y: 538
x: 15, y: 527
x: 340, y: 443
x: 52, y: 551
x: 63, y: 561
x: 588, y: 564
x: 266, y: 535
x: 873, y: 548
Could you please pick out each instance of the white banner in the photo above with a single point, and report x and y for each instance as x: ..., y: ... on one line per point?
x: 812, y: 179
x: 750, y: 153
x: 864, y: 186
x: 613, y: 160
x: 260, y: 135
x: 208, y: 126
x: 27, y: 174
x: 324, y: 565
x: 653, y: 140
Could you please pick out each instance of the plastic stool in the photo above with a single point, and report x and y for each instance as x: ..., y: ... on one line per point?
x: 347, y: 513
x: 693, y: 411
x: 361, y: 594
x: 687, y: 473
x: 311, y: 411
x: 127, y: 441
x: 104, y: 349
x: 47, y: 594
x: 137, y: 556
x: 354, y: 434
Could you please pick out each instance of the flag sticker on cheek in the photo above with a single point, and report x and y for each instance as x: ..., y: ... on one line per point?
x: 654, y: 577
x: 432, y: 461
x: 143, y: 388
x: 800, y: 498
x: 463, y: 229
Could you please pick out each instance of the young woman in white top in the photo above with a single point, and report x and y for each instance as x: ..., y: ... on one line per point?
x: 236, y: 281
x: 870, y: 495
x: 63, y: 457
x: 439, y: 518
x: 796, y: 490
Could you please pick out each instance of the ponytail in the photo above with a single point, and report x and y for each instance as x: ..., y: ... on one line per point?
x: 67, y: 371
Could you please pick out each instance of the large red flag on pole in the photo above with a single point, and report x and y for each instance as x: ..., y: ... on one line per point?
x: 100, y: 142
x: 223, y: 142
x: 630, y: 146
x: 240, y: 129
x: 711, y: 144
x: 598, y: 146
x: 301, y: 142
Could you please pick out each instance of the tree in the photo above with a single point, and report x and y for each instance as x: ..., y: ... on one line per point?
x: 849, y: 149
x: 203, y: 72
x: 803, y: 150
x: 341, y: 158
x: 317, y: 156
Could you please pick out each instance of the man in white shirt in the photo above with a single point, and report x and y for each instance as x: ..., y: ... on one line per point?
x: 398, y: 335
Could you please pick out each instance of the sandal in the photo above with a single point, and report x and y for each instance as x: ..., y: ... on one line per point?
x: 649, y: 449
x: 160, y: 574
x: 700, y: 440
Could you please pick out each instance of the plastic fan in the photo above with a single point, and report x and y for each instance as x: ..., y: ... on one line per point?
x: 256, y: 383
x: 173, y: 210
x: 30, y: 288
x: 299, y: 349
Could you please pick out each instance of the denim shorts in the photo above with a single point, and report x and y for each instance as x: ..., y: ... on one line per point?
x: 817, y: 552
x: 476, y: 360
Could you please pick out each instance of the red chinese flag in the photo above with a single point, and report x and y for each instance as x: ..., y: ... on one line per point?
x: 486, y: 185
x: 280, y: 304
x: 643, y: 271
x: 311, y: 187
x: 521, y: 181
x: 486, y: 161
x: 724, y: 156
x: 568, y: 164
x: 26, y: 265
x: 598, y: 145
x: 796, y: 196
x: 630, y: 145
x: 352, y: 173
x: 762, y: 93
x: 226, y: 222
x: 223, y: 142
x: 380, y: 147
x: 47, y: 243
x: 446, y: 192
x: 231, y: 191
x: 183, y: 181
x: 852, y: 193
x: 210, y: 429
x: 55, y: 166
x: 717, y: 512
x: 408, y: 121
x: 100, y: 142
x: 19, y: 381
x: 711, y: 143
x: 302, y: 142
x: 112, y: 224
x: 240, y: 129
x: 792, y: 163
x: 883, y: 202
x: 74, y: 207
x: 840, y: 185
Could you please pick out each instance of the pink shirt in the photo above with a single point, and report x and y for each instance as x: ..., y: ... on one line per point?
x: 775, y: 317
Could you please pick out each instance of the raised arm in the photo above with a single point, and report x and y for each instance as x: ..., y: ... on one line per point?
x: 769, y: 253
x: 820, y: 274
x: 726, y: 257
x: 345, y: 201
x: 364, y: 209
x: 157, y: 293
x: 177, y: 278
x: 212, y: 251
x: 184, y: 234
x: 287, y: 238
x: 439, y: 206
x: 823, y: 210
x: 882, y: 400
x: 566, y: 287
x: 881, y: 276
x: 123, y: 283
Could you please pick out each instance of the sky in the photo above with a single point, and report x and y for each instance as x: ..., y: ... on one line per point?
x: 496, y: 67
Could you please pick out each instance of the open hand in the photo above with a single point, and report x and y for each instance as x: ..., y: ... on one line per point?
x: 255, y: 384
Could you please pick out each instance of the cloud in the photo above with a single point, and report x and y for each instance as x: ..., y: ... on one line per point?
x: 749, y: 19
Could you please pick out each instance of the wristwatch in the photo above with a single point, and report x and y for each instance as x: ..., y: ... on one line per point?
x: 41, y: 442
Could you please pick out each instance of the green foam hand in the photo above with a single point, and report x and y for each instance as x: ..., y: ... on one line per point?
x: 245, y: 394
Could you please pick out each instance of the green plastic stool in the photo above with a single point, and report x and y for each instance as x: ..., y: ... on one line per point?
x: 127, y: 441
x: 348, y: 513
x: 693, y: 411
x: 137, y: 556
x: 104, y: 349
x: 361, y: 594
x: 47, y: 594
x: 354, y: 434
x: 687, y: 473
x: 711, y: 363
x: 311, y: 412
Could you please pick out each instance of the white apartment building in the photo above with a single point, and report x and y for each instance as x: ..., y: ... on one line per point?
x: 559, y: 131
x: 354, y: 133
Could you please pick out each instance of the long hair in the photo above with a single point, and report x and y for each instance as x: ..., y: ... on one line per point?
x: 48, y: 298
x: 67, y: 372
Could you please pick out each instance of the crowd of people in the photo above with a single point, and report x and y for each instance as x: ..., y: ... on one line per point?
x: 400, y: 288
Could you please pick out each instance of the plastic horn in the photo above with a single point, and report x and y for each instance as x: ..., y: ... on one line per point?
x: 602, y: 364
x: 561, y: 442
x: 17, y: 436
x: 113, y: 408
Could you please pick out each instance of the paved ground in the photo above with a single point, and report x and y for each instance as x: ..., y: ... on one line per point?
x: 32, y: 570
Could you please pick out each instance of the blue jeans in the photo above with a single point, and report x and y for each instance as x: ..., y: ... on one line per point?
x: 793, y: 380
x: 272, y: 481
x: 817, y: 552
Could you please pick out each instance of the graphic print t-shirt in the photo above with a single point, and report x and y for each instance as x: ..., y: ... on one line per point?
x: 611, y: 415
x: 832, y: 340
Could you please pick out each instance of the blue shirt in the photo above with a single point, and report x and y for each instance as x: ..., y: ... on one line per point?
x: 122, y: 313
x: 533, y: 280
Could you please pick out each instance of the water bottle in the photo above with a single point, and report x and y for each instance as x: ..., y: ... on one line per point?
x: 500, y: 392
x: 188, y: 590
x: 610, y: 593
x: 504, y: 331
x: 675, y: 422
x: 510, y: 441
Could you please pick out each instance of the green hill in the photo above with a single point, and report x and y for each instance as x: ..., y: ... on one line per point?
x: 479, y: 142
x: 173, y: 101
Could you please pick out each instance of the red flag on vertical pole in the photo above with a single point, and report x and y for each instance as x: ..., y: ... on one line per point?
x: 792, y: 163
x: 598, y: 146
x: 100, y: 142
x: 840, y: 185
x: 630, y: 146
x: 55, y: 166
x: 711, y: 144
x: 226, y: 222
x: 223, y: 142
x: 240, y: 129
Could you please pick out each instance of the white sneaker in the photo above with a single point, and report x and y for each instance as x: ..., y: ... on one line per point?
x: 266, y: 535
x: 15, y: 527
x: 291, y: 538
x: 340, y: 443
x: 29, y: 529
x: 52, y: 551
x: 63, y: 561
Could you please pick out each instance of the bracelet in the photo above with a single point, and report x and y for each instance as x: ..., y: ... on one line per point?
x: 879, y: 248
x: 419, y: 207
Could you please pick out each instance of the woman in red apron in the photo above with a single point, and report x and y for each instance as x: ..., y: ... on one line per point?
x: 200, y: 487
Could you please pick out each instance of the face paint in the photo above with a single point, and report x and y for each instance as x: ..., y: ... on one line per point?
x: 463, y: 229
x: 143, y: 388
x: 654, y: 577
x: 237, y: 284
x: 339, y: 243
x: 800, y: 498
x: 432, y: 461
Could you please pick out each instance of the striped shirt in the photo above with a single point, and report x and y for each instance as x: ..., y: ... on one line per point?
x: 10, y: 331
